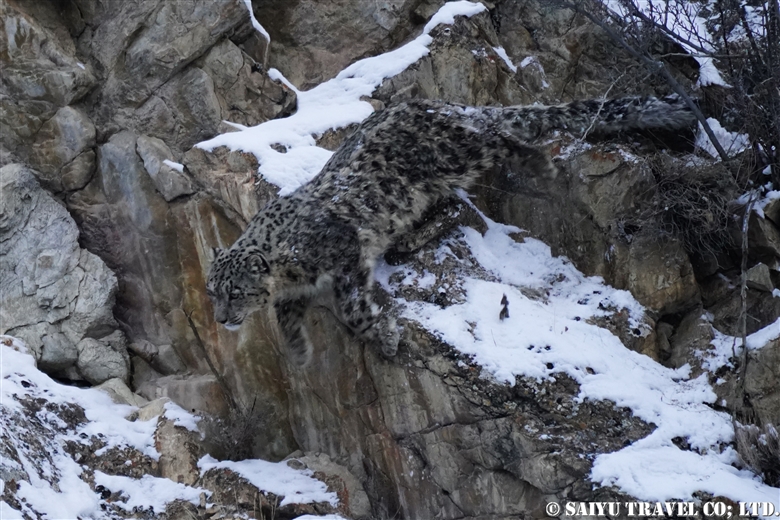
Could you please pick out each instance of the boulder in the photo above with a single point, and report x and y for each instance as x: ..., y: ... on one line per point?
x: 247, y: 95
x: 763, y: 238
x: 761, y: 382
x: 120, y: 393
x: 759, y: 278
x: 163, y: 358
x: 179, y: 450
x: 104, y: 359
x: 352, y: 497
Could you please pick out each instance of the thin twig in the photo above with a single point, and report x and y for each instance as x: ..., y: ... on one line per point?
x: 743, y: 289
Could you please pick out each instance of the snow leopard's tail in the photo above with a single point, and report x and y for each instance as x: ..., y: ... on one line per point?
x: 595, y: 116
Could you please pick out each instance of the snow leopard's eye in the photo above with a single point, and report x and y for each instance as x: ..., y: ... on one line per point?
x: 235, y: 294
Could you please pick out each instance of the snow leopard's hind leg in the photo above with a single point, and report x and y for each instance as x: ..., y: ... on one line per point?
x: 289, y: 314
x: 354, y: 299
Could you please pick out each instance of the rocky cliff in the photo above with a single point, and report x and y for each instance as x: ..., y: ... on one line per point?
x: 110, y: 210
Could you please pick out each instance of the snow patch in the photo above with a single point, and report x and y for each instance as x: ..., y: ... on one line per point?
x: 181, y: 417
x: 768, y: 197
x: 259, y: 28
x: 554, y: 331
x: 682, y: 19
x: 297, y: 486
x: 732, y: 142
x: 504, y: 56
x: 174, y: 165
x: 724, y: 347
x: 331, y: 105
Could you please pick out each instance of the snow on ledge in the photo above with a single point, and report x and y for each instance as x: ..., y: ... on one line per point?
x: 259, y: 28
x: 148, y: 491
x: 174, y: 165
x: 504, y: 56
x: 297, y: 486
x: 330, y: 105
x: 556, y: 333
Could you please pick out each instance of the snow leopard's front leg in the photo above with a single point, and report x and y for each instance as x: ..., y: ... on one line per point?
x: 289, y: 314
x: 354, y: 298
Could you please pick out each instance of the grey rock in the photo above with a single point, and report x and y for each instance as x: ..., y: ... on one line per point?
x: 57, y: 353
x: 37, y: 67
x: 232, y: 177
x: 759, y: 278
x: 762, y: 309
x: 358, y: 504
x: 59, y: 141
x: 170, y: 182
x: 152, y: 409
x: 772, y: 211
x: 179, y: 450
x: 319, y: 40
x: 101, y: 360
x: 77, y: 173
x: 168, y: 361
x: 162, y: 359
x: 762, y: 382
x: 763, y: 238
x: 144, y: 45
x: 155, y: 118
x: 691, y: 337
x: 143, y: 372
x: 196, y: 392
x: 126, y: 221
x: 246, y: 95
x: 144, y: 349
x: 194, y: 105
x: 92, y: 313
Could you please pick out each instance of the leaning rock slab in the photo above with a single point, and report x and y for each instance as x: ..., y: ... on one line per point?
x: 60, y: 140
x: 53, y: 294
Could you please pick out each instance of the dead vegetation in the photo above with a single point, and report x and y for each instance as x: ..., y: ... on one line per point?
x: 759, y: 448
x: 695, y: 205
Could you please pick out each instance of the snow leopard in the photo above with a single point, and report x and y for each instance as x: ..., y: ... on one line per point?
x: 400, y: 162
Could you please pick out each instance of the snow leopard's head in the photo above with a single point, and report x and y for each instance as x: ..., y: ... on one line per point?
x: 238, y: 284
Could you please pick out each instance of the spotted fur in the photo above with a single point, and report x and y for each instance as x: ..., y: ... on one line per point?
x: 327, y: 235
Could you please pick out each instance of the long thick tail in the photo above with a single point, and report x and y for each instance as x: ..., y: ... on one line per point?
x: 597, y: 116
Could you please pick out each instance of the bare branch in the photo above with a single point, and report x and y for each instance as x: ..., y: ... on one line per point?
x: 658, y: 67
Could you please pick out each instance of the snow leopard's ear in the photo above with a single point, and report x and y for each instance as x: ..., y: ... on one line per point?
x: 257, y: 265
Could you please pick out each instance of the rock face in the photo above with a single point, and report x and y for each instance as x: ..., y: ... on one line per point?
x: 56, y: 296
x: 101, y: 107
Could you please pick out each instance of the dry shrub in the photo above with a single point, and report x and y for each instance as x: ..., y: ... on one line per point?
x: 232, y: 437
x: 759, y: 449
x: 692, y: 203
